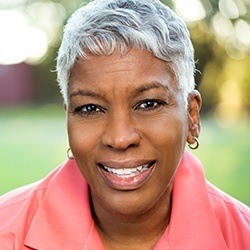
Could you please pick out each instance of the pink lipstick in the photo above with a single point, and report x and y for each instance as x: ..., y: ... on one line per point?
x: 122, y: 177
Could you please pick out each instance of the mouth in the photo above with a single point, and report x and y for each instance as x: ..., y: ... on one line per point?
x: 128, y: 178
x: 127, y: 172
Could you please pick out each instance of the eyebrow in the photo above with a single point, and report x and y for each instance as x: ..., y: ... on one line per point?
x: 149, y: 86
x: 136, y: 92
x: 82, y: 92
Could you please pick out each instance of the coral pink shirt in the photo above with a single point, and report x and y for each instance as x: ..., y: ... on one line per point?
x: 55, y: 214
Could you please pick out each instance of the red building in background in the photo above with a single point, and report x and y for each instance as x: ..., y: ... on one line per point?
x: 17, y: 84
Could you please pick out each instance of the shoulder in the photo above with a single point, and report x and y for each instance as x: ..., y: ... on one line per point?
x: 17, y: 210
x: 35, y: 212
x: 18, y: 196
x: 233, y: 216
x: 221, y: 200
x: 19, y: 204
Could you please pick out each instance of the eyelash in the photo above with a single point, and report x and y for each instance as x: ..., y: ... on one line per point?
x: 153, y: 104
x: 93, y: 108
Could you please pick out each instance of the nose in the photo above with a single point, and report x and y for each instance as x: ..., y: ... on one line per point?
x: 120, y: 133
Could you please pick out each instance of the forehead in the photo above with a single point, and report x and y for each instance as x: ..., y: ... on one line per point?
x: 135, y: 67
x: 136, y: 55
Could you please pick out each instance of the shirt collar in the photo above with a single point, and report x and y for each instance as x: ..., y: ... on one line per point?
x: 63, y: 218
x: 193, y: 224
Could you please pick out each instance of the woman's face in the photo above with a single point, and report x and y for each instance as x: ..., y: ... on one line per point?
x: 127, y: 128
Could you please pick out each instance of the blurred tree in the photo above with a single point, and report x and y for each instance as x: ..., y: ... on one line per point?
x: 222, y: 47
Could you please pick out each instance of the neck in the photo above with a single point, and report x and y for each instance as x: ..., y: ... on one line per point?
x: 143, y: 229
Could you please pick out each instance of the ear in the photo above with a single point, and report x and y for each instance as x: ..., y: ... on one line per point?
x: 194, y: 106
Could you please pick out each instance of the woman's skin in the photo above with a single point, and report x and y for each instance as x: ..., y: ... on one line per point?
x: 127, y: 112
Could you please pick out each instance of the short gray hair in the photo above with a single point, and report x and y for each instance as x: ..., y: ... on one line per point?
x: 103, y: 26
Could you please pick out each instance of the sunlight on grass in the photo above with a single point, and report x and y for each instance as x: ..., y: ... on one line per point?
x: 225, y: 156
x: 34, y: 141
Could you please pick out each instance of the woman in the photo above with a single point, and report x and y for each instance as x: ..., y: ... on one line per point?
x: 125, y: 69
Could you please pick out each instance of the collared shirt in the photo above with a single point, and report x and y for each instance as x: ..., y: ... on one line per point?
x: 54, y: 213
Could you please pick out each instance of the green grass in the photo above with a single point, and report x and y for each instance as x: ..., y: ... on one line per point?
x: 225, y: 154
x: 34, y: 141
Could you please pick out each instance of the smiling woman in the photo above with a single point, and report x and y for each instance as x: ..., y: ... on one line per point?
x: 133, y: 98
x: 126, y: 72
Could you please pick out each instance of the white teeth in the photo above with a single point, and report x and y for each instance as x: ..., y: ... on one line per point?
x: 139, y: 168
x: 126, y: 171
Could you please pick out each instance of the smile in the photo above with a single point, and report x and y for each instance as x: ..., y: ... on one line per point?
x: 127, y: 178
x: 127, y: 172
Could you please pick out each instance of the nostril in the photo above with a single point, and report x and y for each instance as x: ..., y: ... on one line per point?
x: 120, y: 138
x: 123, y: 143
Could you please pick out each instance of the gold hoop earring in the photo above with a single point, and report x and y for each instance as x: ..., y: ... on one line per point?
x: 194, y: 145
x: 71, y: 157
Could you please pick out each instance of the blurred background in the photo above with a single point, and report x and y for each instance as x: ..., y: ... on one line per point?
x: 32, y: 120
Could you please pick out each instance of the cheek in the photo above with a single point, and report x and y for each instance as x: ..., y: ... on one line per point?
x: 83, y: 138
x: 168, y: 131
x: 83, y: 142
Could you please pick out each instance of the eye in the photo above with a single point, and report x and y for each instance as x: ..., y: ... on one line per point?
x: 149, y: 104
x: 88, y: 109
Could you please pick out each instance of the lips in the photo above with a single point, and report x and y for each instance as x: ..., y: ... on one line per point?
x: 122, y: 177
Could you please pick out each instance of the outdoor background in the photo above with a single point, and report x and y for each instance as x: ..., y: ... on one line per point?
x: 33, y: 136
